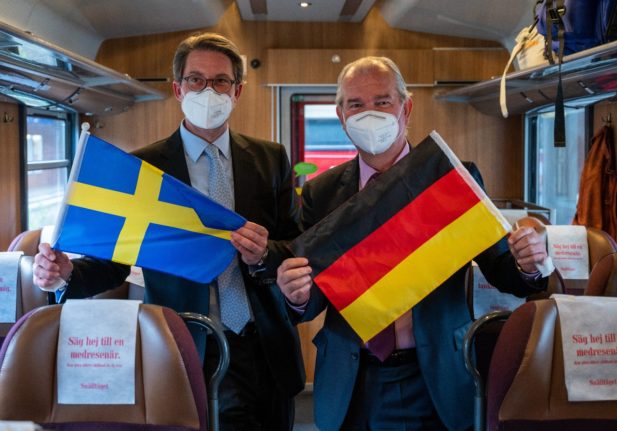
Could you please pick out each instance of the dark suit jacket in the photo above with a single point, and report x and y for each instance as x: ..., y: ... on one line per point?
x: 264, y: 194
x: 439, y: 321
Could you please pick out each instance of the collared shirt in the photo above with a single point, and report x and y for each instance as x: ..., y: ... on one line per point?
x: 199, y: 167
x: 197, y: 162
x: 402, y: 325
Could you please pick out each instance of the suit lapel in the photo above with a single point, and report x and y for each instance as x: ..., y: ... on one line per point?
x: 241, y: 162
x: 171, y: 158
x: 348, y: 185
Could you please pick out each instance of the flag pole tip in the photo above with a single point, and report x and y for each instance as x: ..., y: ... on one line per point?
x: 85, y: 126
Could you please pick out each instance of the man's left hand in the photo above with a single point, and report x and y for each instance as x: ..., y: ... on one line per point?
x: 251, y: 240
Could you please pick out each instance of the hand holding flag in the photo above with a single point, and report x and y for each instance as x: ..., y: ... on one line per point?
x: 528, y: 246
x: 120, y: 208
x: 390, y: 245
x: 294, y: 280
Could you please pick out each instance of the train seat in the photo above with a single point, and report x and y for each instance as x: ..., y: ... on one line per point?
x: 513, y: 215
x: 599, y: 245
x: 27, y: 298
x: 170, y: 393
x: 603, y: 277
x: 483, y: 334
x: 27, y: 241
x: 483, y: 298
x: 526, y: 386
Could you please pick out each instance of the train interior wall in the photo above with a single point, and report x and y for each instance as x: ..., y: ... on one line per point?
x: 300, y: 53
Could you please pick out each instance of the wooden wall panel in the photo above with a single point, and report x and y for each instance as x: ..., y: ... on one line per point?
x: 10, y: 174
x: 494, y: 144
x: 307, y: 332
x: 315, y: 66
x: 468, y: 64
x: 150, y: 57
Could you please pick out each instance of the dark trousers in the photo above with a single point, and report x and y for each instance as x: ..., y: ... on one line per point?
x: 248, y: 396
x: 391, y: 396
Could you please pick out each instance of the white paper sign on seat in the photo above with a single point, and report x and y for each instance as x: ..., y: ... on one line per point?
x: 589, y: 337
x: 9, y: 271
x: 567, y: 246
x: 96, y: 352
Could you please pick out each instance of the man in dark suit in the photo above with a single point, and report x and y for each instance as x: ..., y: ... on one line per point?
x: 422, y: 384
x: 254, y: 178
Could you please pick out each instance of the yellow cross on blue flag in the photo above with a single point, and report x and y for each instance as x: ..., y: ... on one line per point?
x: 121, y: 208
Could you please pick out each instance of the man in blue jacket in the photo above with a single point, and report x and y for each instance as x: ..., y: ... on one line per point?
x: 422, y: 384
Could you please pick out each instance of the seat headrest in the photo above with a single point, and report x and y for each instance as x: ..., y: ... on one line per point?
x: 526, y: 387
x: 170, y: 388
x: 27, y: 241
x: 603, y: 277
x: 600, y: 244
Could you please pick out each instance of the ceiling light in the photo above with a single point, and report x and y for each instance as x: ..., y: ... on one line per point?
x: 304, y: 4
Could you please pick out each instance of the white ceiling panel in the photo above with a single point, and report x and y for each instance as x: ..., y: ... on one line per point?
x: 290, y: 10
x: 497, y: 20
x: 121, y: 18
x: 81, y: 25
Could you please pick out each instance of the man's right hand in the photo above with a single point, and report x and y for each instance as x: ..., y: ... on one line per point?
x: 50, y: 265
x: 294, y: 280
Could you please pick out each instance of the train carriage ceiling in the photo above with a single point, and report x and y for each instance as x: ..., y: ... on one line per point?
x: 81, y: 25
x: 66, y: 34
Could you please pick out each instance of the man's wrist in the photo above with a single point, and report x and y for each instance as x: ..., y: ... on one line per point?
x: 298, y: 308
x: 67, y: 280
x: 530, y: 276
x: 262, y: 260
x: 260, y: 266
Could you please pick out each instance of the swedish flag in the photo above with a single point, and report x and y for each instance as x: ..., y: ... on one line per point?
x: 120, y: 208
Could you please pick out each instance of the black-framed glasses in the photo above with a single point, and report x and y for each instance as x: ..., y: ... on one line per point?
x: 198, y: 83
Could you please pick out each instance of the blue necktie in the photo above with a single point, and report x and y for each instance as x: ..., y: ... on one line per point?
x: 235, y: 312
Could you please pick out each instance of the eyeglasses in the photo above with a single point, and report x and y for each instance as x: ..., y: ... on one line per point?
x: 198, y: 83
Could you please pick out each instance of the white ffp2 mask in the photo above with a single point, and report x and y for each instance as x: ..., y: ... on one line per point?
x: 372, y: 131
x: 206, y: 109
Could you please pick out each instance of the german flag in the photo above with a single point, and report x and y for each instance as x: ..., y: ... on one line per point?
x: 401, y: 237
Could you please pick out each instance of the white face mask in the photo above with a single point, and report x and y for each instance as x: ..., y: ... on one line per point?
x: 206, y: 109
x: 372, y: 131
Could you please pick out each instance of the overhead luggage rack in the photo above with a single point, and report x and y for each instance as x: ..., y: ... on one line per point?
x: 34, y: 68
x: 592, y: 72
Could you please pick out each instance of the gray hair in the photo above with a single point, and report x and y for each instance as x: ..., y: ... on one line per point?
x: 367, y: 64
x: 207, y: 42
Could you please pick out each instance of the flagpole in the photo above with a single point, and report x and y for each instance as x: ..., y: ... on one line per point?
x: 79, y: 152
x: 458, y: 165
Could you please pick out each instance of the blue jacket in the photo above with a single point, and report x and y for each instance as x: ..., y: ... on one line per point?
x: 439, y: 321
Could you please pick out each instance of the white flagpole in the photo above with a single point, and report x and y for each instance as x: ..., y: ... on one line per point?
x: 79, y: 153
x: 81, y: 145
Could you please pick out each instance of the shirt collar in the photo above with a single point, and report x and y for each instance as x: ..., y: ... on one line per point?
x: 366, y: 171
x: 194, y: 145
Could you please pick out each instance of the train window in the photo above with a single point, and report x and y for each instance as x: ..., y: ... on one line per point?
x: 317, y: 136
x: 553, y: 172
x: 48, y: 159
